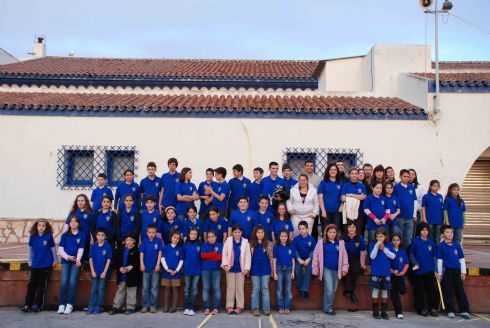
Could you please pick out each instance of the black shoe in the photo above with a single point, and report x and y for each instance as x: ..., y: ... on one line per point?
x: 114, y: 311
x: 128, y: 312
x: 353, y: 298
x: 307, y: 295
x: 376, y: 311
x: 434, y: 313
x: 35, y: 308
x: 25, y: 308
x: 331, y: 312
x: 384, y: 315
x: 424, y: 313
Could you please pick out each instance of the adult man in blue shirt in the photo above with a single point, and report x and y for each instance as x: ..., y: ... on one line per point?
x: 168, y: 181
x: 238, y: 187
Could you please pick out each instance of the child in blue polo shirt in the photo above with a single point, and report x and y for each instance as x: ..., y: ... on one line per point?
x: 399, y: 267
x: 100, y: 260
x: 185, y: 192
x: 82, y: 209
x: 150, y: 256
x: 243, y: 217
x: 329, y: 196
x: 171, y: 222
x: 127, y: 187
x: 71, y: 251
x: 260, y: 270
x: 99, y: 192
x: 254, y: 189
x: 172, y: 261
x: 41, y: 259
x: 215, y: 223
x: 211, y: 255
x: 151, y: 185
x: 192, y: 270
x: 205, y: 196
x: 422, y: 257
x: 289, y: 181
x: 263, y: 217
x: 376, y: 210
x: 452, y: 273
x: 304, y: 245
x: 393, y: 204
x: 380, y: 252
x: 191, y: 221
x: 105, y: 218
x: 220, y: 192
x: 405, y: 191
x: 354, y: 189
x: 151, y: 216
x: 281, y: 222
x: 272, y: 182
x: 432, y: 210
x: 128, y: 221
x: 455, y: 211
x: 283, y: 271
x: 238, y: 187
x: 168, y: 181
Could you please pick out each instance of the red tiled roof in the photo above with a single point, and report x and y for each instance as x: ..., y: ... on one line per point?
x: 172, y: 68
x: 457, y: 77
x: 463, y: 65
x: 207, y: 104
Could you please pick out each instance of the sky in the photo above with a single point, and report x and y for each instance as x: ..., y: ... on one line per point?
x: 239, y: 29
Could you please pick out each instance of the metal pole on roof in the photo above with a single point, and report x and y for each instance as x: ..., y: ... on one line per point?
x: 436, y: 30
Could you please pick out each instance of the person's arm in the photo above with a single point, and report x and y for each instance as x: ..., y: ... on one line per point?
x: 164, y: 264
x: 446, y: 217
x: 322, y: 206
x: 316, y: 205
x: 92, y: 270
x: 30, y: 255
x: 415, y: 208
x: 292, y: 271
x: 181, y: 263
x: 424, y: 214
x: 79, y: 254
x: 404, y: 270
x: 157, y: 268
x: 62, y: 253
x: 389, y: 253
x: 439, y: 267
x: 412, y: 257
x: 274, y: 265
x: 55, y: 257
x: 142, y: 262
x: 374, y: 251
x: 116, y: 198
x: 106, y: 268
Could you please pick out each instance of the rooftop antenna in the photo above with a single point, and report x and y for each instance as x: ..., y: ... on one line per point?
x: 71, y: 53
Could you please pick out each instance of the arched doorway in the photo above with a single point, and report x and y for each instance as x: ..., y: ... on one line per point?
x: 476, y: 193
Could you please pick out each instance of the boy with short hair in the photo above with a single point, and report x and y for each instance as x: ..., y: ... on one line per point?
x: 238, y: 187
x: 99, y: 192
x: 127, y: 263
x: 151, y: 217
x: 405, y: 191
x: 254, y: 189
x: 150, y: 256
x: 451, y: 272
x: 221, y: 191
x: 271, y: 183
x: 100, y: 260
x: 242, y: 217
x: 288, y: 179
x: 304, y: 245
x: 168, y: 182
x: 151, y: 185
x: 204, y: 195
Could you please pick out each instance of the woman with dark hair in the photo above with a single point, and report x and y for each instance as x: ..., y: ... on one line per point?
x: 329, y: 197
x: 419, y: 192
x: 379, y: 174
x: 390, y: 175
x: 455, y: 211
x: 186, y: 192
x: 303, y: 204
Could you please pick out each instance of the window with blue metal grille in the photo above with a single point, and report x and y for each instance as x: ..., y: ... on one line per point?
x: 78, y: 166
x: 296, y: 157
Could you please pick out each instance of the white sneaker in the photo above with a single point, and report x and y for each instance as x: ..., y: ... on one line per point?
x: 400, y: 316
x: 61, y: 309
x: 68, y: 309
x: 191, y: 313
x: 186, y: 311
x: 451, y: 315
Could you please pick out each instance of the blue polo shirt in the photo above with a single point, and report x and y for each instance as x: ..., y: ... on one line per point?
x: 207, y: 248
x: 150, y: 249
x: 406, y: 196
x: 284, y: 254
x: 105, y: 221
x: 331, y: 192
x: 99, y: 256
x: 244, y: 220
x: 455, y: 212
x: 331, y: 255
x: 221, y: 188
x: 254, y: 190
x: 71, y: 243
x: 85, y: 220
x: 128, y: 222
x: 238, y: 188
x: 236, y: 256
x: 189, y: 224
x: 268, y: 186
x: 124, y: 189
x: 377, y: 206
x: 261, y: 265
x: 173, y: 255
x: 434, y: 206
x: 278, y: 225
x: 192, y: 258
x: 265, y: 220
x: 177, y: 224
x: 450, y: 255
x: 147, y: 219
x: 290, y: 183
x: 42, y: 256
x: 184, y: 189
x: 149, y: 187
x: 423, y: 253
x: 203, y: 208
x: 96, y: 197
x: 304, y: 246
x: 400, y: 260
x: 393, y: 204
x: 354, y: 247
x: 168, y: 182
x: 220, y: 227
x: 380, y: 266
x: 353, y: 188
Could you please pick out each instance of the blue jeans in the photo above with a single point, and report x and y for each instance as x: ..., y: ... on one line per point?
x: 458, y: 234
x: 190, y: 291
x: 211, y: 279
x: 393, y: 229
x: 97, y: 293
x: 69, y: 281
x: 371, y: 235
x: 283, y: 288
x: 435, y: 232
x: 330, y: 282
x: 303, y: 278
x: 151, y: 286
x: 260, y: 285
x: 406, y: 229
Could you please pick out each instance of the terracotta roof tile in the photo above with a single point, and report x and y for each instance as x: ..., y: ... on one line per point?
x: 461, y: 65
x: 458, y: 77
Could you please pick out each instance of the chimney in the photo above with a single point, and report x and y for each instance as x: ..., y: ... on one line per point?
x: 39, y: 47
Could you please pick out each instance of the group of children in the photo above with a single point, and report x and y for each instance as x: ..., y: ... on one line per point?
x: 155, y: 235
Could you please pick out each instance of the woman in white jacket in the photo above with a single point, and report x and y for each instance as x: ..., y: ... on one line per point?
x: 303, y: 204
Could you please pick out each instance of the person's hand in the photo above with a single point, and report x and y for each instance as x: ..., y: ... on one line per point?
x: 415, y: 219
x: 438, y: 277
x: 382, y: 247
x: 94, y: 275
x: 463, y: 276
x: 157, y: 268
x: 72, y: 258
x: 363, y: 267
x: 142, y: 268
x: 53, y: 265
x: 122, y: 270
x: 78, y: 263
x: 383, y: 221
x: 301, y: 262
x: 292, y: 212
x: 172, y: 272
x: 415, y: 267
x: 276, y: 277
x: 292, y: 276
x: 129, y: 268
x: 29, y: 263
x: 226, y: 268
x: 307, y: 261
x: 324, y: 215
x: 245, y: 273
x: 103, y: 274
